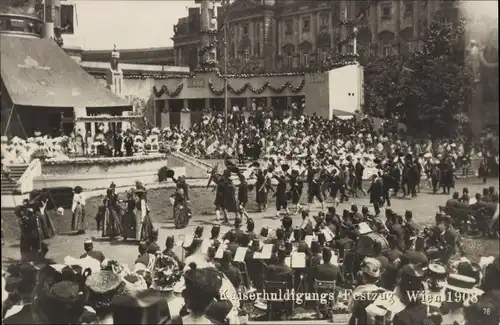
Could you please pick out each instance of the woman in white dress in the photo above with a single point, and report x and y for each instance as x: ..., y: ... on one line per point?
x: 144, y: 226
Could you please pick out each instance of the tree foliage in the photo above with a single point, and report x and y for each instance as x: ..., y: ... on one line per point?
x: 426, y: 89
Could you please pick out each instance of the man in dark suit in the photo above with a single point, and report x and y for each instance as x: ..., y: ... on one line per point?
x: 357, y: 216
x: 376, y: 191
x: 118, y: 139
x: 251, y: 230
x: 232, y: 246
x: 169, y: 250
x: 88, y: 245
x: 397, y: 230
x: 280, y: 272
x: 410, y: 228
x: 327, y: 271
x: 230, y: 271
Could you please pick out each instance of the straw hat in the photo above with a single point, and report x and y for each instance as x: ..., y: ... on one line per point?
x: 134, y: 282
x: 462, y: 284
x: 103, y: 282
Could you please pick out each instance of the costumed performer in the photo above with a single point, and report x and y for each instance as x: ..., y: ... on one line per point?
x: 112, y: 222
x: 40, y: 202
x: 129, y: 225
x: 78, y: 210
x: 144, y: 226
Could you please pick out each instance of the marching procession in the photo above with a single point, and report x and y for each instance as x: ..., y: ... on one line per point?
x: 353, y: 257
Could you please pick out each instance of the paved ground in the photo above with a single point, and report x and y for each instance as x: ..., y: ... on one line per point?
x: 423, y: 207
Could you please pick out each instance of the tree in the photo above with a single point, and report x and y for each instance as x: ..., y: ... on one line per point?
x: 427, y: 89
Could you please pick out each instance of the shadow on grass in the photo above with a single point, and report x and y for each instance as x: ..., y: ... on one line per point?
x: 118, y: 242
x: 69, y: 233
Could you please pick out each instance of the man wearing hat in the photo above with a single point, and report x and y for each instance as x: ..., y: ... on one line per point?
x: 31, y: 234
x: 88, y: 246
x: 169, y: 251
x: 230, y: 271
x: 376, y: 191
x: 250, y: 233
x: 367, y: 279
x: 459, y: 286
x: 410, y: 283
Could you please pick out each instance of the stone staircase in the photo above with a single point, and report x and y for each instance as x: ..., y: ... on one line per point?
x: 9, y: 183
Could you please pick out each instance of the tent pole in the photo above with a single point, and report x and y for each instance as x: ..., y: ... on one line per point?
x: 8, y: 120
x: 21, y: 124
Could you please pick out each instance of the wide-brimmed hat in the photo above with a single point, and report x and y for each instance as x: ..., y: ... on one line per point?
x: 103, y: 282
x: 436, y: 269
x: 134, y: 282
x: 462, y: 284
x: 62, y: 301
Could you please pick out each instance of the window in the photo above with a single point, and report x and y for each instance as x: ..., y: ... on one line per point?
x: 386, y: 12
x: 306, y: 24
x: 257, y: 48
x: 350, y: 48
x: 387, y: 48
x: 408, y: 9
x: 324, y: 19
x: 67, y: 19
x: 257, y: 29
x: 289, y: 61
x: 289, y: 27
x: 246, y: 56
x: 245, y: 29
x: 305, y: 59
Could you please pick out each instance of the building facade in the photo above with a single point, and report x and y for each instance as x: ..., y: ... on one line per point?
x: 291, y: 34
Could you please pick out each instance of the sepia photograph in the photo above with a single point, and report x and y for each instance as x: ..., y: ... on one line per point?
x: 259, y: 162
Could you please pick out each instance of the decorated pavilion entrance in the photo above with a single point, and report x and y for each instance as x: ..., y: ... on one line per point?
x: 217, y: 104
x: 279, y: 105
x: 240, y: 102
x: 196, y: 107
x: 176, y: 106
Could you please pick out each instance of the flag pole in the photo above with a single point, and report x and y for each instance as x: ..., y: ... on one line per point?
x: 226, y: 3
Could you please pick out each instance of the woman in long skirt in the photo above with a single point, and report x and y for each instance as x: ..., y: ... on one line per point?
x: 78, y: 210
x: 129, y: 224
x: 46, y: 225
x: 144, y: 228
x: 112, y: 222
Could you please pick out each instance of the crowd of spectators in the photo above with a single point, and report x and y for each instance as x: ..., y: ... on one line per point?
x: 250, y: 136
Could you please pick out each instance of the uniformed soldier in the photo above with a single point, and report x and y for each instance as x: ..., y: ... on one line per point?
x: 410, y: 228
x: 169, y: 251
x: 232, y: 273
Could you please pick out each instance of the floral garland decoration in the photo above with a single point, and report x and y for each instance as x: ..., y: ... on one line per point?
x: 148, y: 76
x: 206, y: 48
x: 166, y: 272
x: 164, y: 90
x: 210, y: 31
x: 260, y: 90
x: 103, y: 161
